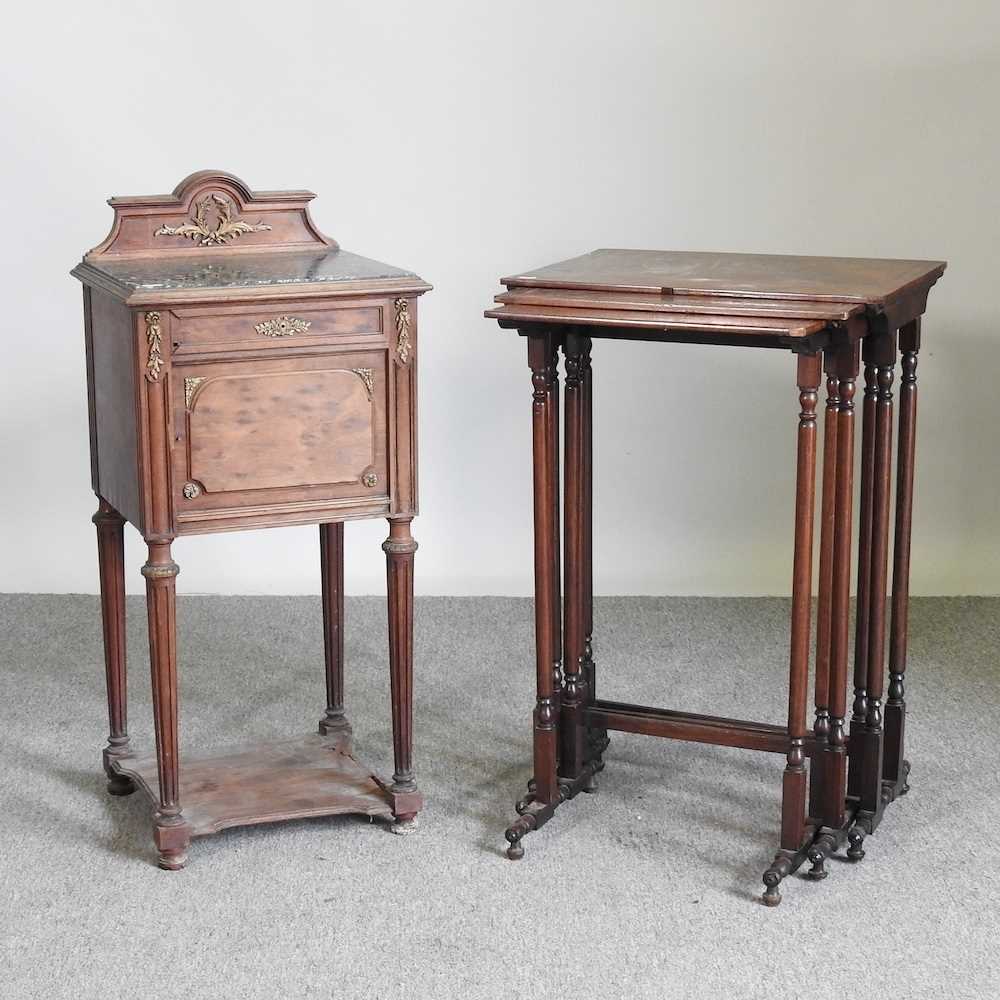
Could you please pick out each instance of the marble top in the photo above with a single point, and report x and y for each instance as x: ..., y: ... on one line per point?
x: 207, y: 271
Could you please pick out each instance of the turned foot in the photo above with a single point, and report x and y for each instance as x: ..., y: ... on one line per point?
x: 856, y: 838
x: 771, y: 896
x: 404, y: 825
x: 590, y: 783
x: 906, y: 776
x: 781, y: 866
x: 818, y: 870
x: 514, y: 833
x: 817, y: 855
x: 119, y: 784
x: 172, y: 835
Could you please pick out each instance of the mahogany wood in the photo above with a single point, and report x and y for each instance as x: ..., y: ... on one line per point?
x: 542, y: 361
x: 331, y: 558
x: 268, y: 782
x: 895, y: 768
x: 809, y: 306
x: 824, y: 601
x: 859, y: 709
x: 399, y: 548
x: 111, y: 560
x: 245, y: 372
x: 574, y: 694
x: 847, y: 361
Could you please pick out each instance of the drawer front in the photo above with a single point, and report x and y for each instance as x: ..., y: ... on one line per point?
x: 279, y: 432
x: 296, y: 325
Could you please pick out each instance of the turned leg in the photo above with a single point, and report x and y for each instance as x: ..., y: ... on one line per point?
x: 573, y: 749
x: 894, y: 768
x: 793, y: 798
x: 399, y: 548
x: 111, y: 561
x: 833, y: 757
x: 331, y: 557
x: 171, y: 832
x: 880, y: 350
x: 544, y: 789
x: 821, y: 725
x: 597, y: 739
x: 859, y: 711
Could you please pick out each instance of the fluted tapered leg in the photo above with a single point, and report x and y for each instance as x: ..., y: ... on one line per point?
x: 111, y: 562
x: 171, y: 831
x: 399, y: 548
x: 331, y: 556
x: 894, y: 768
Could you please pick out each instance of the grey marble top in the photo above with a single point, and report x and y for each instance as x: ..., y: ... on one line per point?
x: 243, y: 270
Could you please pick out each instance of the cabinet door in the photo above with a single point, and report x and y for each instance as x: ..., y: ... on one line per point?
x: 286, y: 435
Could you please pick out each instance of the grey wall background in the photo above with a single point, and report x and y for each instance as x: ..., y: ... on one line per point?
x: 467, y: 141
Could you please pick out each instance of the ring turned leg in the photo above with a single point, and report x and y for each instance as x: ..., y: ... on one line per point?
x: 794, y: 782
x: 859, y: 711
x: 399, y: 548
x: 573, y: 731
x: 111, y: 562
x: 880, y: 350
x: 833, y: 757
x: 171, y: 832
x: 821, y: 726
x: 544, y: 791
x: 597, y: 739
x: 894, y: 768
x: 331, y: 556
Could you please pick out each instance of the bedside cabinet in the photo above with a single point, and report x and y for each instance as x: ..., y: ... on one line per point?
x: 245, y: 372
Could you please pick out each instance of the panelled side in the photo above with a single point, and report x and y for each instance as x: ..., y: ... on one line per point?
x: 403, y: 445
x: 114, y: 439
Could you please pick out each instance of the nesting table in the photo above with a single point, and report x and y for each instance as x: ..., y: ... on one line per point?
x: 245, y: 372
x: 832, y: 314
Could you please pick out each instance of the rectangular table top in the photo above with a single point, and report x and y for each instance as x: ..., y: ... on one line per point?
x: 767, y: 276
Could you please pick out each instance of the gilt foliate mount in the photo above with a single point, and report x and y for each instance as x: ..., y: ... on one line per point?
x: 226, y: 228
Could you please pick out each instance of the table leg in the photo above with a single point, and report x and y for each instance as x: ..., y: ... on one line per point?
x: 880, y: 351
x: 573, y: 732
x: 894, y: 768
x: 171, y: 832
x: 821, y: 726
x: 597, y: 739
x: 833, y: 758
x: 859, y: 711
x: 399, y: 548
x: 111, y: 561
x: 331, y: 558
x: 544, y: 788
x: 794, y: 783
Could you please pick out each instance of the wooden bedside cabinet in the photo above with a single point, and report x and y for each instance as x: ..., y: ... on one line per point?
x: 245, y: 372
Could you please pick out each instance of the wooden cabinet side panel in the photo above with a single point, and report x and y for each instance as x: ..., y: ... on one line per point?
x: 112, y: 362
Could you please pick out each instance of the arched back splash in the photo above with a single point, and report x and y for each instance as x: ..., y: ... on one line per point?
x: 211, y: 212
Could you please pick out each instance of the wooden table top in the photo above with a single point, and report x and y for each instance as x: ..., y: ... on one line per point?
x: 767, y: 276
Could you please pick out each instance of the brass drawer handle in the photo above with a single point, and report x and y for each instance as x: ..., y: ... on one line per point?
x: 370, y: 479
x: 282, y: 326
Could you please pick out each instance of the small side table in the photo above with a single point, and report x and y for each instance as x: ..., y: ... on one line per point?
x: 830, y: 313
x: 245, y: 372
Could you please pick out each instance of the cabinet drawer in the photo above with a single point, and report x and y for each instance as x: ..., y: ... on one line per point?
x: 279, y: 433
x: 283, y: 326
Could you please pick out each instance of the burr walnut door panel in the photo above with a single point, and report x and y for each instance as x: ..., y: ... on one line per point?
x: 279, y: 435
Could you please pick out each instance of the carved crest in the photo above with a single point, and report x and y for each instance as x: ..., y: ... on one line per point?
x: 226, y: 227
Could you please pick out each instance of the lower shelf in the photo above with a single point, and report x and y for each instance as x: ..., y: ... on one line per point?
x: 266, y: 783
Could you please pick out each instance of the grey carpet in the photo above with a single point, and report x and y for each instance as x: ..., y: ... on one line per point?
x: 646, y: 889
